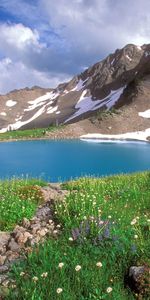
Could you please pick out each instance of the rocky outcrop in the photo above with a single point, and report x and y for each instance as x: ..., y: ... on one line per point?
x: 15, y: 245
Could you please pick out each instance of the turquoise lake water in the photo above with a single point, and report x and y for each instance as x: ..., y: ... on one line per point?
x: 63, y: 160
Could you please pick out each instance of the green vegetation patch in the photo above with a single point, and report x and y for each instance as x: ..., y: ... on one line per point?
x: 28, y: 133
x: 18, y: 199
x: 105, y: 229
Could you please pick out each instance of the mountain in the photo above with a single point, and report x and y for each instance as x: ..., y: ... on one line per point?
x: 121, y: 80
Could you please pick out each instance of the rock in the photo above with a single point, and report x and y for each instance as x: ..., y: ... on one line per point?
x: 3, y: 278
x: 42, y: 232
x: 53, y: 192
x: 26, y: 223
x: 4, y: 269
x: 34, y: 220
x: 138, y: 280
x: 4, y: 238
x: 43, y: 213
x: 12, y: 256
x: 35, y: 228
x: 135, y: 272
x: 19, y: 230
x: 35, y: 241
x: 23, y: 237
x: 13, y: 246
x: 2, y: 259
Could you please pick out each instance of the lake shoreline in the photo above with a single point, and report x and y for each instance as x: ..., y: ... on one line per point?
x: 96, y: 140
x: 92, y: 140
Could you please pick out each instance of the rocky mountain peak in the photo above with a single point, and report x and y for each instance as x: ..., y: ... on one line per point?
x: 110, y: 82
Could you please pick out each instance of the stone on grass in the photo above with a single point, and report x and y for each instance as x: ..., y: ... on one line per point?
x: 2, y: 259
x: 13, y: 246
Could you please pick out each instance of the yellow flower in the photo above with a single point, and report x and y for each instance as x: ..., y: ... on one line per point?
x: 99, y: 264
x: 78, y: 268
x: 59, y: 290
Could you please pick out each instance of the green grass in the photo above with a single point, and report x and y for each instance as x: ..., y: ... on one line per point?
x: 18, y: 199
x: 103, y: 220
x: 27, y: 134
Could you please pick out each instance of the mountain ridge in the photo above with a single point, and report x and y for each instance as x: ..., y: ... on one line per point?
x: 112, y: 82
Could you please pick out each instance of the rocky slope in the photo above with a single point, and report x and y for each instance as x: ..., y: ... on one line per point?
x: 122, y: 80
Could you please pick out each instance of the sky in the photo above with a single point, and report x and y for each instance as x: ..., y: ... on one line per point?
x: 47, y: 42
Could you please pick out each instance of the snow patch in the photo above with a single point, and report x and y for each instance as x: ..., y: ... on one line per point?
x: 79, y: 85
x: 137, y: 135
x: 65, y: 92
x: 51, y: 109
x: 139, y: 47
x: 112, y: 62
x: 48, y: 97
x: 11, y: 103
x: 19, y: 124
x: 3, y: 113
x: 128, y: 57
x: 86, y: 104
x: 145, y: 114
x: 147, y: 53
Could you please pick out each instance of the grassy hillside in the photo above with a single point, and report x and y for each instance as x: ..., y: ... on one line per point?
x: 28, y: 133
x: 105, y: 229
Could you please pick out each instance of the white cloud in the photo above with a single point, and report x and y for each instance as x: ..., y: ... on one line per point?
x: 19, y: 36
x: 18, y: 41
x: 68, y: 35
x: 17, y: 75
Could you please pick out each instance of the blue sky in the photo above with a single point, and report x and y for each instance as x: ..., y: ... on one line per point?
x: 45, y: 42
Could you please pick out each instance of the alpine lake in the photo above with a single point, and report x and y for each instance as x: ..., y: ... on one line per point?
x: 62, y: 160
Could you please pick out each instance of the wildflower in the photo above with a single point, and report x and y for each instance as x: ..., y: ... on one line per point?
x: 35, y: 278
x: 58, y: 226
x: 136, y: 236
x: 44, y: 275
x: 99, y: 264
x: 59, y: 290
x: 148, y: 220
x: 109, y: 217
x: 109, y: 289
x: 13, y: 286
x: 71, y: 239
x: 133, y: 221
x: 61, y: 265
x: 22, y: 274
x: 78, y: 268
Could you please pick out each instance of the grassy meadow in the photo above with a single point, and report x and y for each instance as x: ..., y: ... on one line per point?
x: 18, y: 199
x: 104, y: 230
x: 27, y: 133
